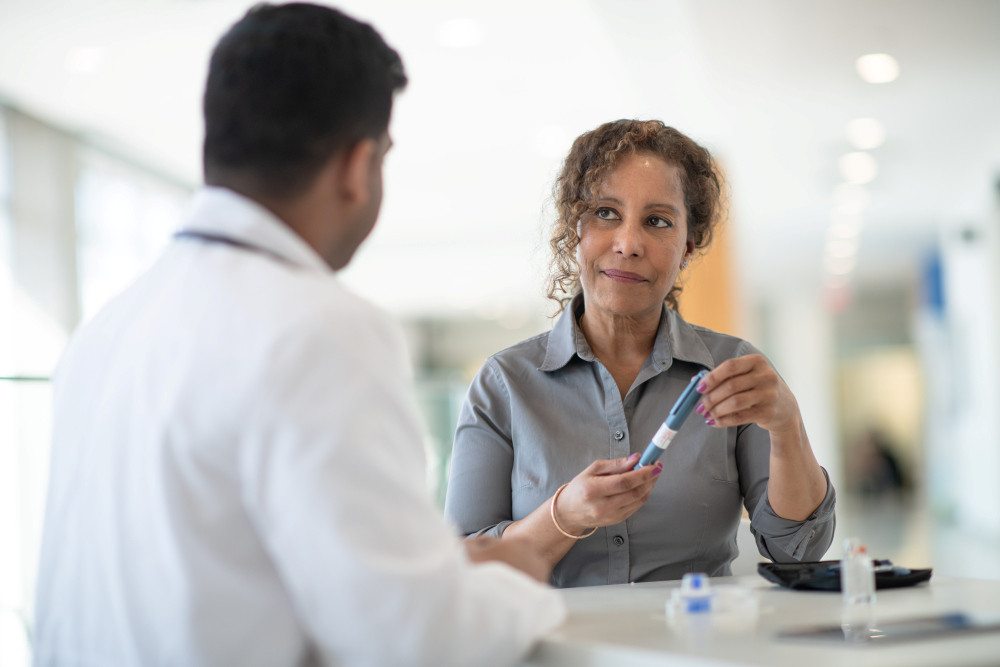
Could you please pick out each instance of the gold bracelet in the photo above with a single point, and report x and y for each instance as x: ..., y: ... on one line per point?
x: 552, y: 511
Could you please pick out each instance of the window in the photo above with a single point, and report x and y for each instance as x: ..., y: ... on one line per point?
x: 125, y: 217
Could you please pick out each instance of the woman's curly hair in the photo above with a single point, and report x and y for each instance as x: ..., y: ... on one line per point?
x: 593, y: 156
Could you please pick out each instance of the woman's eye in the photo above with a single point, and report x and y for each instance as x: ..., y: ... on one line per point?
x: 605, y: 214
x: 657, y: 221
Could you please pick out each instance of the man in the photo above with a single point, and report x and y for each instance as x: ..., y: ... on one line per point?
x: 237, y: 476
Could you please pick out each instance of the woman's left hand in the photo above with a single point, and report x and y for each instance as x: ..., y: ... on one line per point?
x: 748, y: 390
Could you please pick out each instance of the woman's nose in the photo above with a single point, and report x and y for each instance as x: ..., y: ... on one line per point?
x: 628, y: 239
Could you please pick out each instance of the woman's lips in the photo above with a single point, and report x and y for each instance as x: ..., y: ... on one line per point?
x: 623, y: 276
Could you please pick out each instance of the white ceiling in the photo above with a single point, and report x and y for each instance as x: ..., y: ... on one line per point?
x: 498, y: 91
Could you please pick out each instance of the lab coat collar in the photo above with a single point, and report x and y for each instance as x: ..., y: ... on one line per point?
x: 222, y: 212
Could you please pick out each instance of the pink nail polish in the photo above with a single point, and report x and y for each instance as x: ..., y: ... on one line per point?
x: 700, y: 409
x: 710, y: 422
x: 658, y: 469
x: 702, y: 387
x: 633, y: 457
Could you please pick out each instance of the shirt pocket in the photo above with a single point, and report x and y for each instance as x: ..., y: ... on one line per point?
x: 705, y: 452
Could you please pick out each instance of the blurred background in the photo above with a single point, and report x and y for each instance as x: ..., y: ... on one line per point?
x: 860, y: 138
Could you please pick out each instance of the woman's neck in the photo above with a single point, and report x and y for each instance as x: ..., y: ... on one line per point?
x: 621, y: 343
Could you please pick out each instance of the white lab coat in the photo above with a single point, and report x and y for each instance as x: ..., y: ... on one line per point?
x: 238, y: 479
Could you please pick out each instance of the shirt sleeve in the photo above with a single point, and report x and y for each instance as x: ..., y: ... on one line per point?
x: 778, y: 539
x: 335, y: 481
x: 479, y: 497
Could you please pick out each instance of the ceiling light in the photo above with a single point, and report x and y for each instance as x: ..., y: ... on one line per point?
x: 858, y: 168
x: 865, y: 133
x: 878, y: 68
x: 460, y: 34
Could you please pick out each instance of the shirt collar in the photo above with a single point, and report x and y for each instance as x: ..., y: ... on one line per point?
x: 675, y: 339
x: 223, y: 212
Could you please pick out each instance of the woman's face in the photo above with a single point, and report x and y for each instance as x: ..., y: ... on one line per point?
x: 633, y: 243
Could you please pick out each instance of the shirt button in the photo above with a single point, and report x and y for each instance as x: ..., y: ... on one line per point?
x: 618, y: 540
x: 619, y: 435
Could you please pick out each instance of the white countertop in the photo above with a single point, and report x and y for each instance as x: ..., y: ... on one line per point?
x: 628, y: 625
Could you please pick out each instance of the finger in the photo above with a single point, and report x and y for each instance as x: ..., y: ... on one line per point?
x: 628, y: 508
x: 730, y: 368
x: 619, y: 507
x: 759, y: 391
x: 613, y: 466
x: 757, y: 386
x: 725, y: 421
x: 742, y: 402
x: 631, y: 484
x: 595, y: 495
x: 739, y: 382
x: 641, y: 493
x: 711, y: 386
x: 740, y: 418
x: 737, y: 374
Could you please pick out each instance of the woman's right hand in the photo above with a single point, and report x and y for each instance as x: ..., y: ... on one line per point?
x: 607, y: 492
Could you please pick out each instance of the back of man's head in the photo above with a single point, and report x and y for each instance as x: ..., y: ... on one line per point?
x: 288, y: 87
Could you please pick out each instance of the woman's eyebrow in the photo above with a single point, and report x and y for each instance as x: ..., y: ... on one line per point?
x: 670, y: 207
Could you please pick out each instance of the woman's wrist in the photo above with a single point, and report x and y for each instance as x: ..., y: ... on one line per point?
x: 555, y: 521
x: 790, y: 440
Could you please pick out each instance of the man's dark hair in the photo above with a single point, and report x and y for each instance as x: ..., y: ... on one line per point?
x: 289, y: 86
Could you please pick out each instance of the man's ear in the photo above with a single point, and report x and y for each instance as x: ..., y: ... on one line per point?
x: 355, y: 179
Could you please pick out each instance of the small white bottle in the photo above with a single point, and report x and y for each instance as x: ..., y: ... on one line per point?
x: 857, y: 575
x: 696, y: 593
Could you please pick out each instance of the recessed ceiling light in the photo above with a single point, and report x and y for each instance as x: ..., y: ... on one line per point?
x: 878, y: 68
x: 858, y: 168
x: 865, y: 133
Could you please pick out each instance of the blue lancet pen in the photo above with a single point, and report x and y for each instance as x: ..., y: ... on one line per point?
x: 682, y: 408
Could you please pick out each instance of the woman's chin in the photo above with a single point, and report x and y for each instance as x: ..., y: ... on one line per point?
x: 626, y: 308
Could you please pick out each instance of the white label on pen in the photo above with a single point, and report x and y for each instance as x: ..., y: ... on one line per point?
x: 663, y: 436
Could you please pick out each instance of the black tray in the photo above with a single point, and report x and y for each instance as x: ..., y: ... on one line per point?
x: 824, y: 575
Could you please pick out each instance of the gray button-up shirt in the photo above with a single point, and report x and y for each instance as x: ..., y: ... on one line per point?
x: 541, y: 411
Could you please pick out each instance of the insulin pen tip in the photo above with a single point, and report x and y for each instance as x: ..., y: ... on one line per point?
x: 678, y: 414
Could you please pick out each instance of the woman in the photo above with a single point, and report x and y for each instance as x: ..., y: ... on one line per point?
x: 553, y: 426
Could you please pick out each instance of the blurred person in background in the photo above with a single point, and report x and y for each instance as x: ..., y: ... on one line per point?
x: 875, y: 469
x: 237, y: 468
x: 552, y: 427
